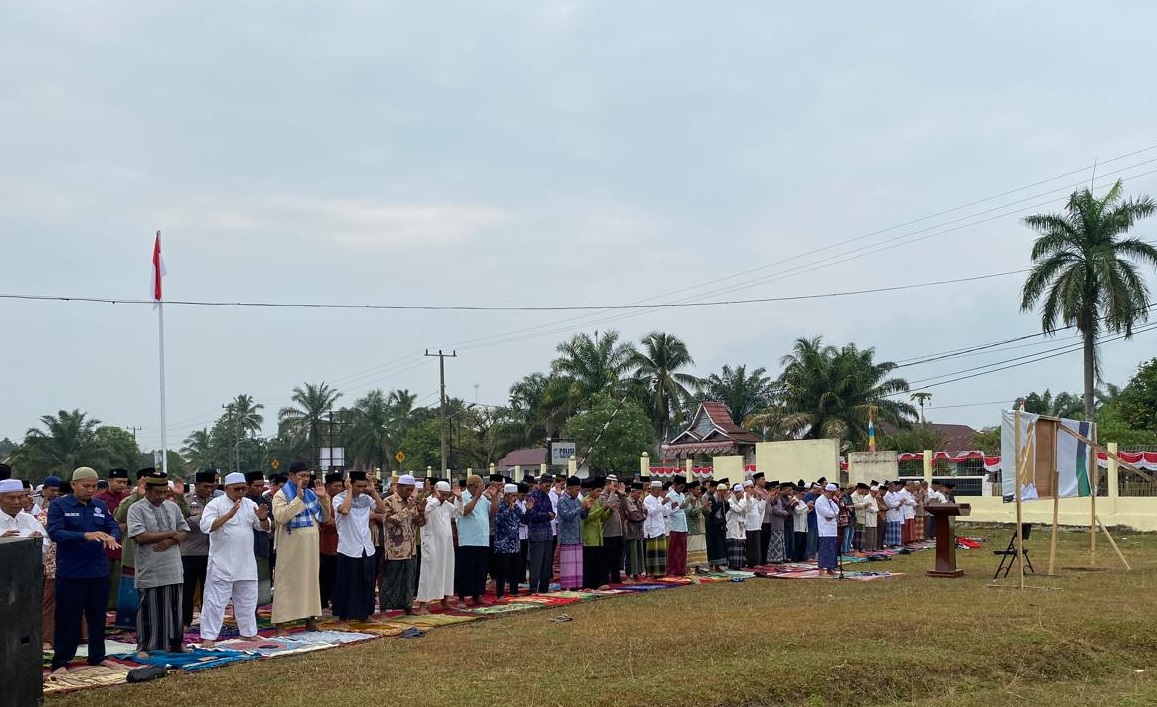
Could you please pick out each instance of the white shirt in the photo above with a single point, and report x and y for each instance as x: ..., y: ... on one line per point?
x: 24, y: 524
x: 866, y: 509
x: 554, y: 496
x: 737, y: 518
x: 655, y: 525
x: 908, y: 502
x: 231, y: 555
x: 754, y: 516
x: 353, y: 530
x: 827, y: 516
x: 935, y: 497
x: 523, y: 530
x: 894, y: 502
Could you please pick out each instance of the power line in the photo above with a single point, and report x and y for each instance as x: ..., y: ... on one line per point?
x: 516, y: 308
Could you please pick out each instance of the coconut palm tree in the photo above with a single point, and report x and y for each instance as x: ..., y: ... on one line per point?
x: 595, y: 364
x: 368, y: 435
x: 245, y: 415
x: 920, y: 399
x: 198, y: 449
x: 68, y: 440
x: 303, y: 418
x: 1086, y: 274
x: 825, y: 392
x: 667, y: 390
x: 745, y: 394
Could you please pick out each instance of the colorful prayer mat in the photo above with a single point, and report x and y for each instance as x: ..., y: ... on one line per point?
x: 432, y: 620
x: 499, y: 609
x: 330, y: 637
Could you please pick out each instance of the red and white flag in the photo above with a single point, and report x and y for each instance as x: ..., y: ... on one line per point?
x: 158, y: 269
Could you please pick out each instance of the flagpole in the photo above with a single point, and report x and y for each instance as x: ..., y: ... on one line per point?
x: 161, y: 332
x: 158, y: 274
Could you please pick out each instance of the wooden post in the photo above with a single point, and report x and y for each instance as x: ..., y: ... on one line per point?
x: 1016, y: 481
x: 644, y: 464
x: 1056, y: 518
x: 1094, y: 477
x: 690, y: 466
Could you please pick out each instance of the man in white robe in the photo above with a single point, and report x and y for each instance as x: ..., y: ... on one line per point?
x: 436, y: 580
x: 230, y: 522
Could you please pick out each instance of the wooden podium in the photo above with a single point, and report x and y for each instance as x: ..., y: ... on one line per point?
x: 946, y: 538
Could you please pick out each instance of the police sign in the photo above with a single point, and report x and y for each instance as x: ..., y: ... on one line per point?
x: 561, y: 452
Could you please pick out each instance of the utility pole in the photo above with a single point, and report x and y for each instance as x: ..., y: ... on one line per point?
x: 134, y: 431
x: 442, y: 395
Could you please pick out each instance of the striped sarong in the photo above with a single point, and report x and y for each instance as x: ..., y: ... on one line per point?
x: 871, y: 540
x: 892, y: 531
x: 736, y: 554
x: 635, y: 562
x: 570, y: 566
x: 656, y: 556
x: 697, y: 551
x: 159, y: 626
x: 775, y: 546
x: 858, y: 537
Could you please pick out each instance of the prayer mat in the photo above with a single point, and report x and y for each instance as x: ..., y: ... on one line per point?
x: 580, y: 596
x: 331, y: 637
x: 265, y: 647
x: 544, y: 600
x: 499, y: 609
x: 191, y: 661
x: 432, y: 620
x: 645, y: 587
x: 85, y: 678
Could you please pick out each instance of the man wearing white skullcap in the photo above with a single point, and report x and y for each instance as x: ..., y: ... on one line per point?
x: 436, y: 579
x: 230, y: 522
x: 655, y: 531
x: 14, y: 523
x: 827, y: 518
x: 507, y: 547
x: 737, y: 503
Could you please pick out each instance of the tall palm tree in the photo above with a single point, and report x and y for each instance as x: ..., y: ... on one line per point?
x: 1086, y: 274
x: 596, y: 363
x: 245, y: 415
x: 825, y: 392
x: 303, y: 418
x: 368, y: 435
x: 67, y: 441
x: 744, y: 394
x: 667, y: 390
x: 920, y: 399
x: 198, y: 449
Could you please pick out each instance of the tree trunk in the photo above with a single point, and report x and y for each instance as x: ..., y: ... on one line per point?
x: 1090, y: 383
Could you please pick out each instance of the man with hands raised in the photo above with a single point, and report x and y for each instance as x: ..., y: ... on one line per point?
x: 353, y: 596
x: 230, y: 521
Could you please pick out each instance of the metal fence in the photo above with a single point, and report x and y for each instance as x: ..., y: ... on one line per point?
x: 965, y: 485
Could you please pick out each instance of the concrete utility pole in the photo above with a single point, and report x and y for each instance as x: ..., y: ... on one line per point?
x: 442, y: 395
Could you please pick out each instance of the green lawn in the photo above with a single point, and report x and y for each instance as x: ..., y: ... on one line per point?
x: 1089, y: 639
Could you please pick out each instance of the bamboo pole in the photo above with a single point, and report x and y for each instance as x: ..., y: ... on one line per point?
x: 1114, y: 544
x: 1056, y: 518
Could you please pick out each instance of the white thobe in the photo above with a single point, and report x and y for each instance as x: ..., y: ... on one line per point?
x: 908, y: 505
x: 737, y: 518
x: 894, y: 504
x: 437, y: 580
x: 657, y: 512
x: 753, y: 519
x: 866, y: 509
x: 232, y: 573
x: 827, y: 517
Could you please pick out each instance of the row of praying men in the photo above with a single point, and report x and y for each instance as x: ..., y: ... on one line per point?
x: 413, y: 544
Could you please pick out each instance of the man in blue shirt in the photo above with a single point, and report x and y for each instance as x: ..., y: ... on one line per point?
x: 83, y: 529
x: 539, y: 514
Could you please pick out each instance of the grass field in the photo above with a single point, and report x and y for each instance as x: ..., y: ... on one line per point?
x: 1088, y: 639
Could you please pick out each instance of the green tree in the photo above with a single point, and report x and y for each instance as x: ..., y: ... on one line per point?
x: 68, y: 440
x: 610, y: 436
x: 921, y: 399
x: 825, y: 392
x: 595, y: 364
x: 1062, y: 404
x: 667, y: 390
x: 118, y: 448
x: 368, y: 435
x: 1085, y: 274
x: 198, y: 449
x: 302, y: 420
x: 422, y: 445
x: 917, y: 438
x: 1137, y: 402
x: 7, y: 447
x: 744, y: 394
x: 987, y: 440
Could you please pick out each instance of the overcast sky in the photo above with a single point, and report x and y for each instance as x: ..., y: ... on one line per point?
x: 539, y: 153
